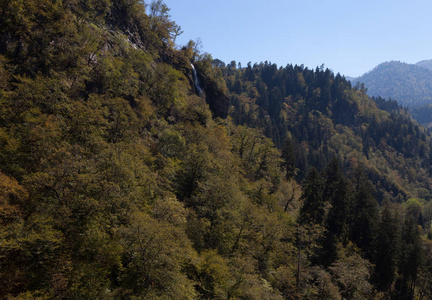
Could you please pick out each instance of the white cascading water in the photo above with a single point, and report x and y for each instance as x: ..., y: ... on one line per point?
x: 196, y: 81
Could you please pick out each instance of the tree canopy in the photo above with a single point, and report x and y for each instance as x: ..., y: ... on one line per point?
x: 119, y: 181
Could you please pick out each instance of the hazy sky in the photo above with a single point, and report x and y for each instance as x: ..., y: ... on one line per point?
x: 350, y: 37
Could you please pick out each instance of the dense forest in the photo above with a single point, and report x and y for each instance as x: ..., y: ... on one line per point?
x: 409, y: 84
x: 423, y: 114
x: 321, y: 116
x: 131, y: 168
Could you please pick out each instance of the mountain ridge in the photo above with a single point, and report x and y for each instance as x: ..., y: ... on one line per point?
x: 409, y: 84
x: 425, y: 64
x: 121, y: 179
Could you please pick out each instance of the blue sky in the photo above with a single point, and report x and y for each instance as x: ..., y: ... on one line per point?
x: 350, y: 37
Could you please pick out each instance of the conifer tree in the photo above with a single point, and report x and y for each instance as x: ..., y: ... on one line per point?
x: 387, y: 248
x: 312, y: 210
x: 410, y: 259
x: 365, y: 215
x: 336, y: 193
x: 288, y: 155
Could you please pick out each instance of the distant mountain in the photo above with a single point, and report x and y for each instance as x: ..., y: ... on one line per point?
x: 352, y: 79
x: 425, y: 64
x: 409, y: 84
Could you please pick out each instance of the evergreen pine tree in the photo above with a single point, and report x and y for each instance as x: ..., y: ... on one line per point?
x: 387, y: 248
x: 410, y: 259
x: 312, y: 210
x: 288, y: 156
x: 336, y: 193
x: 365, y: 214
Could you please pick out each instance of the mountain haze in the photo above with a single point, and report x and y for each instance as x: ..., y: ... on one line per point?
x: 410, y: 85
x: 425, y: 64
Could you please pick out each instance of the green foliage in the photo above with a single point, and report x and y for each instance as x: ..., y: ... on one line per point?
x: 312, y: 210
x: 388, y: 247
x: 325, y: 117
x: 410, y: 259
x: 154, y: 253
x: 365, y: 214
x: 30, y: 254
x: 352, y: 274
x: 336, y: 193
x: 118, y: 181
x: 160, y: 22
x: 288, y: 155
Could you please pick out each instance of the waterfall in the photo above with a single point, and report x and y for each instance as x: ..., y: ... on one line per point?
x: 198, y: 88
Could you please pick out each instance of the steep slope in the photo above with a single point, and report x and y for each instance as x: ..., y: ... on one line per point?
x: 120, y: 180
x: 115, y: 181
x: 314, y: 116
x: 324, y: 116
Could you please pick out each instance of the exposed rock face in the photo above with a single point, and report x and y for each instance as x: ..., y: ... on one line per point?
x: 217, y: 101
x: 215, y: 98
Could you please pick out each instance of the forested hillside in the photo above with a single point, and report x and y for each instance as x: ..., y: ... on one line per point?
x: 425, y: 64
x: 409, y: 84
x: 125, y: 175
x: 321, y: 116
x: 423, y: 114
